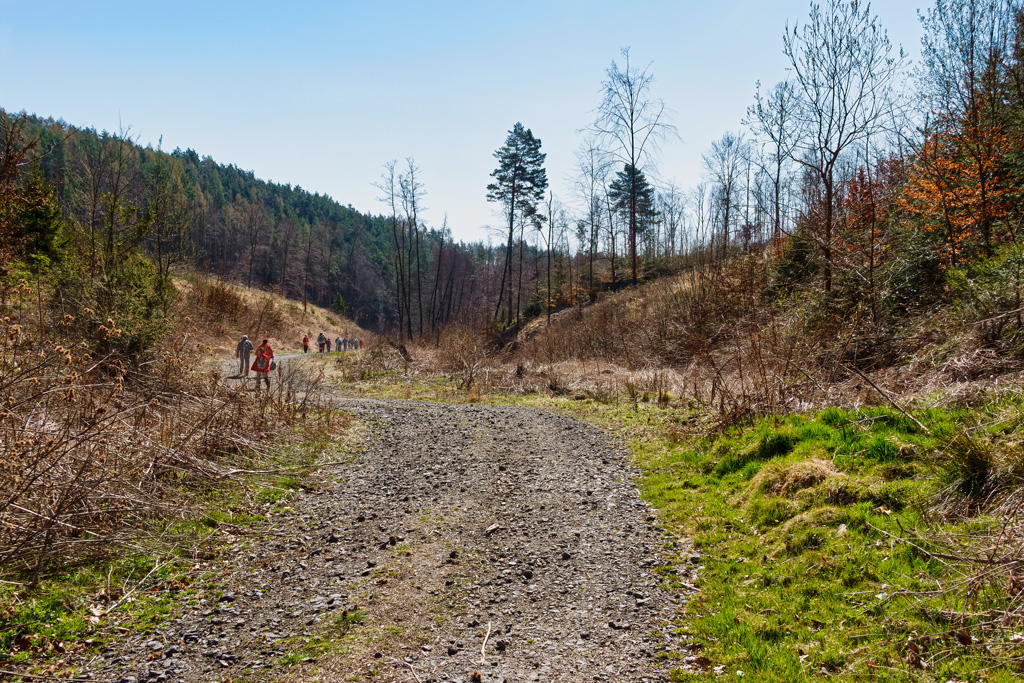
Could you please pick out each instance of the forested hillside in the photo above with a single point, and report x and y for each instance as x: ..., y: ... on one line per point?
x: 112, y: 195
x: 187, y: 210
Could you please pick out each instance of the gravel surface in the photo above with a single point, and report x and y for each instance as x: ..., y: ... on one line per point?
x: 476, y: 543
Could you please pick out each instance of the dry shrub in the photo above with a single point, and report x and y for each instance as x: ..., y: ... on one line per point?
x: 266, y: 317
x: 213, y: 303
x: 984, y: 472
x: 382, y: 356
x: 983, y: 586
x: 461, y: 355
x: 985, y: 565
x: 91, y: 451
x: 978, y: 363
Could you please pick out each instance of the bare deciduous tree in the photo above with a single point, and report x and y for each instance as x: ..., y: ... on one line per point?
x: 672, y: 207
x: 390, y: 195
x: 844, y: 77
x: 632, y: 124
x: 412, y: 193
x: 591, y: 177
x: 771, y: 120
x: 724, y: 163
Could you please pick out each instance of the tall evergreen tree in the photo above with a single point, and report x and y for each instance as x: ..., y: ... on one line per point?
x: 519, y: 184
x: 633, y: 197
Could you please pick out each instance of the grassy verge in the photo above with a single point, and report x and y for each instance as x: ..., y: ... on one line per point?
x: 818, y: 554
x: 84, y: 608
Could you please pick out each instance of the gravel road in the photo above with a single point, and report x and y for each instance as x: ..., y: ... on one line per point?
x: 477, y: 543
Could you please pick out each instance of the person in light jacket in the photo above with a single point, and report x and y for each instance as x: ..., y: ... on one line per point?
x: 242, y: 352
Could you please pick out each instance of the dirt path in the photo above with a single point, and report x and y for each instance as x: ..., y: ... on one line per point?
x: 456, y: 525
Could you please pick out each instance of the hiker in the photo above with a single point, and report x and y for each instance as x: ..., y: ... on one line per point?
x: 305, y: 343
x: 321, y: 341
x: 337, y: 344
x: 264, y: 363
x: 328, y: 345
x: 242, y: 352
x: 344, y: 344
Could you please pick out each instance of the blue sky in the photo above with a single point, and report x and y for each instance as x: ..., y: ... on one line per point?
x: 321, y: 94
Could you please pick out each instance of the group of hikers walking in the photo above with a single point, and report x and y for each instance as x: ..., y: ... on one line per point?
x: 263, y: 363
x: 323, y: 343
x: 264, y: 355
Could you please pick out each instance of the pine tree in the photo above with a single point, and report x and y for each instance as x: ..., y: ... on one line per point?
x: 633, y: 197
x: 519, y: 184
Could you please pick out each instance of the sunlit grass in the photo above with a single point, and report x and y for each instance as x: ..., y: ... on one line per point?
x: 809, y: 529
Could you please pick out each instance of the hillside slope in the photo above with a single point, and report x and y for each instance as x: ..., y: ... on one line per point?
x: 222, y: 312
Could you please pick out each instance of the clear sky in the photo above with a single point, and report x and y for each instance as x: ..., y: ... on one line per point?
x: 321, y: 93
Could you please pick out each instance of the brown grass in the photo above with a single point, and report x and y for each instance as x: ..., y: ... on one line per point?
x: 94, y: 451
x: 223, y: 312
x: 784, y: 481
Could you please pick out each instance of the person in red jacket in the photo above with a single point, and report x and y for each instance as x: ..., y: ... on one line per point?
x: 305, y: 343
x: 264, y: 361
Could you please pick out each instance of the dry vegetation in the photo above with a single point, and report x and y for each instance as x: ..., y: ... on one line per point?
x: 709, y: 336
x: 223, y: 312
x: 99, y: 447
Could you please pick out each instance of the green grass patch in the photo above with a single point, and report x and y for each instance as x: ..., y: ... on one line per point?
x: 803, y: 523
x: 799, y: 520
x: 75, y: 610
x: 333, y: 637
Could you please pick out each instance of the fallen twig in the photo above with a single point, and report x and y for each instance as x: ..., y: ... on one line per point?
x: 890, y: 400
x: 1000, y: 316
x: 483, y: 648
x: 414, y: 674
x: 135, y: 589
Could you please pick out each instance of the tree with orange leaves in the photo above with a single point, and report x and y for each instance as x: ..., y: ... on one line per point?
x: 958, y: 187
x: 867, y: 200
